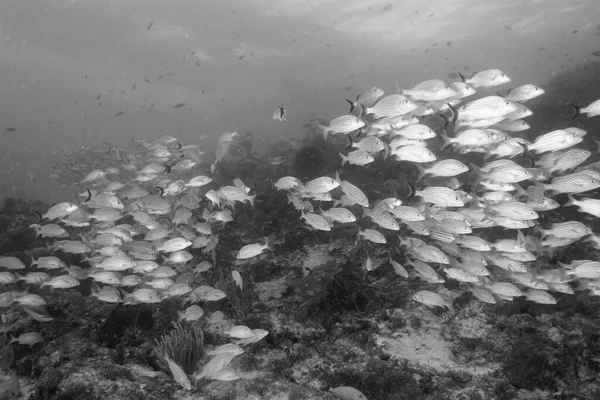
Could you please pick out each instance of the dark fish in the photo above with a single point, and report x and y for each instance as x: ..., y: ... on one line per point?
x: 179, y: 105
x: 448, y: 43
x: 150, y: 25
x: 431, y: 15
x: 241, y: 57
x: 11, y: 129
x: 147, y: 80
x: 541, y: 48
x: 453, y: 75
x: 596, y: 53
x: 119, y: 113
x: 575, y: 31
x: 252, y: 54
x: 386, y: 8
x: 98, y: 97
x: 197, y: 63
x: 203, y: 90
x: 133, y: 86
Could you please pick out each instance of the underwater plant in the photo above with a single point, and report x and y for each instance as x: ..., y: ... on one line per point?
x: 184, y: 345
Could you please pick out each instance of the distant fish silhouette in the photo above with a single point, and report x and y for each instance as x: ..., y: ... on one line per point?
x: 179, y: 105
x: 150, y: 25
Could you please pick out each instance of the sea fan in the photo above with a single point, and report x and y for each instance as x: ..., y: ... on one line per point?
x: 185, y: 346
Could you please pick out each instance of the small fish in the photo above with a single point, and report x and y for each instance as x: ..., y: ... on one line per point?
x: 178, y: 374
x: 487, y: 78
x: 592, y: 109
x: 280, y: 113
x: 344, y: 124
x: 357, y: 157
x: 29, y: 338
x: 192, y: 313
x: 119, y: 113
x: 179, y: 105
x: 431, y: 299
x: 277, y: 160
x: 150, y: 25
x: 251, y: 250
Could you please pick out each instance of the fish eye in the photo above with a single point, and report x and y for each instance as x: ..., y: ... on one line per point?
x: 507, y: 103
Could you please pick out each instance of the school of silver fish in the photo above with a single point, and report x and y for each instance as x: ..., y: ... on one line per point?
x: 143, y: 210
x: 154, y: 191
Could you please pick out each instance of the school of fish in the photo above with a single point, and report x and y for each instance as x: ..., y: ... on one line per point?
x: 137, y: 220
x: 134, y: 227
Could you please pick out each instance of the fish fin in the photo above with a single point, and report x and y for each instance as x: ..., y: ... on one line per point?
x: 386, y: 151
x: 462, y: 77
x: 412, y: 191
x: 454, y: 113
x: 399, y: 88
x: 350, y: 143
x: 446, y: 120
x: 337, y: 177
x: 325, y: 131
x: 422, y: 172
x: 576, y: 110
x: 344, y: 159
x: 39, y: 215
x: 446, y: 140
x: 89, y: 196
x: 571, y: 201
x: 352, y: 105
x: 251, y: 199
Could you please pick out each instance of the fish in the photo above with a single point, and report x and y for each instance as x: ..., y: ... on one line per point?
x: 347, y: 392
x: 486, y: 78
x: 592, y: 109
x: 280, y: 113
x: 344, y: 124
x: 252, y: 250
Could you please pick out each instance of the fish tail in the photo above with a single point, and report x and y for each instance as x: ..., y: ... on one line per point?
x: 576, y: 110
x: 361, y: 111
x: 446, y: 139
x: 454, y: 114
x: 422, y: 172
x: 251, y: 199
x: 39, y: 215
x: 350, y: 143
x: 89, y: 196
x: 462, y: 77
x: 325, y: 130
x: 386, y: 151
x: 352, y: 105
x: 344, y: 159
x: 571, y: 201
x: 446, y: 120
x: 412, y: 190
